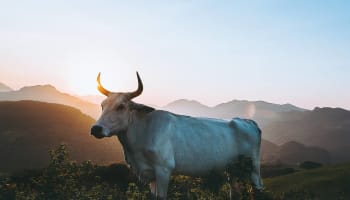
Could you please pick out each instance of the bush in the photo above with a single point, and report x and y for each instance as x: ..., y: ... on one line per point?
x: 64, y: 179
x: 310, y: 165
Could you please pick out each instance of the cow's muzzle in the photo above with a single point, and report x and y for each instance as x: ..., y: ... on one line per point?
x: 97, y: 131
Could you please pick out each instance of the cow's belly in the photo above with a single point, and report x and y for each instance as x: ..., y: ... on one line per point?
x: 204, y: 153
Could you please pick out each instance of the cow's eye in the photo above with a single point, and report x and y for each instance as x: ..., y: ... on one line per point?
x: 120, y: 107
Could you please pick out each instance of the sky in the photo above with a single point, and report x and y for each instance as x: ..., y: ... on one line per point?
x: 278, y: 51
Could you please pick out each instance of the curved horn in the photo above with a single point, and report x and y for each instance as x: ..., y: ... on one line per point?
x: 139, y: 88
x: 100, y: 87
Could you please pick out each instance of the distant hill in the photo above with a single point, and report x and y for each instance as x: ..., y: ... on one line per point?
x: 329, y: 182
x: 29, y: 129
x: 188, y: 107
x: 4, y: 88
x: 328, y: 128
x: 48, y: 93
x: 292, y: 153
x: 260, y: 111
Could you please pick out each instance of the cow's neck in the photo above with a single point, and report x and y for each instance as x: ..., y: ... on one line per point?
x: 123, y: 136
x: 123, y: 139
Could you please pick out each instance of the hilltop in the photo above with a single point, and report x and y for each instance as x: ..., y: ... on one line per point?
x: 48, y: 93
x: 29, y: 129
x: 4, y: 88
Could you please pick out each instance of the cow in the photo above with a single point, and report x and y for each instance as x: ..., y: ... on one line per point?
x: 158, y: 143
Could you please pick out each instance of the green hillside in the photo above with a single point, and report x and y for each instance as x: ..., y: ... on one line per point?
x: 330, y: 182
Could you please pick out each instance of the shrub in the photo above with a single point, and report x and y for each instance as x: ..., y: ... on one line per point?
x: 65, y: 179
x: 310, y: 165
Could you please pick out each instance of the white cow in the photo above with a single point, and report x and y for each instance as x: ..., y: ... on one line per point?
x: 157, y: 143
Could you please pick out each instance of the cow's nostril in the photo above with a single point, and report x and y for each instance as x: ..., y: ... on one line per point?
x: 96, y: 130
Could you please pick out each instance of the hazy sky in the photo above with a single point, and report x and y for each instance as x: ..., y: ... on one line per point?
x: 212, y: 51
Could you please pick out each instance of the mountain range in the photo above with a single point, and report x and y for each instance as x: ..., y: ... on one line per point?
x: 260, y: 111
x: 48, y: 93
x: 29, y: 129
x: 322, y: 130
x: 328, y: 128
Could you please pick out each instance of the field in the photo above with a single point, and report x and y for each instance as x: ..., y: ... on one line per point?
x: 329, y: 182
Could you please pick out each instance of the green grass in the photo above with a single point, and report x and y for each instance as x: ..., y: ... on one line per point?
x: 331, y: 182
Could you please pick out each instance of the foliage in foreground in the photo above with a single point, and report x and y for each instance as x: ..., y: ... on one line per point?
x: 64, y: 179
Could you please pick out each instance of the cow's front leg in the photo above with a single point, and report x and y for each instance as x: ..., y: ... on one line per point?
x: 162, y: 182
x: 152, y: 187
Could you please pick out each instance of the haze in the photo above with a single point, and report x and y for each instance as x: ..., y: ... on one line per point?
x: 278, y: 51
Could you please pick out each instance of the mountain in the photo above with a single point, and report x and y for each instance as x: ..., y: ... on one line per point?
x: 95, y: 99
x: 4, y: 88
x: 48, y: 93
x: 260, y: 111
x: 292, y: 153
x: 188, y: 107
x: 29, y: 129
x: 328, y: 128
x: 268, y: 152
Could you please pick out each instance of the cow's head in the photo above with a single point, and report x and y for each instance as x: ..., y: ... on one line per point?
x: 116, y: 111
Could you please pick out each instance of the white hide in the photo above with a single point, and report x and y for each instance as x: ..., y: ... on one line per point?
x: 159, y: 143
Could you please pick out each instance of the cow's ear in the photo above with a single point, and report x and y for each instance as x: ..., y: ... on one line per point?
x: 140, y: 107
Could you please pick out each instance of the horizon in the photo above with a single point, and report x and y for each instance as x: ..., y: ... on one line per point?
x: 98, y: 98
x: 279, y: 52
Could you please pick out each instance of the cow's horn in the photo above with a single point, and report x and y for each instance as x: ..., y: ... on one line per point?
x: 100, y: 87
x: 139, y: 88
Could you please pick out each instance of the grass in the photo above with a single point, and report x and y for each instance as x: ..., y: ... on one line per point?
x: 330, y: 182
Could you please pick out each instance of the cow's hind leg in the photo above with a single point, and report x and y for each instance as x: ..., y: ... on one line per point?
x: 255, y: 176
x: 162, y: 182
x: 152, y: 187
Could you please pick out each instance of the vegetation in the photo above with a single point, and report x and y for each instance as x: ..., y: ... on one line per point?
x: 330, y: 182
x: 64, y: 179
x: 310, y: 165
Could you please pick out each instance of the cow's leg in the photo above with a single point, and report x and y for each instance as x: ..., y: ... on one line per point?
x: 162, y: 182
x: 255, y: 175
x: 152, y: 186
x: 257, y: 184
